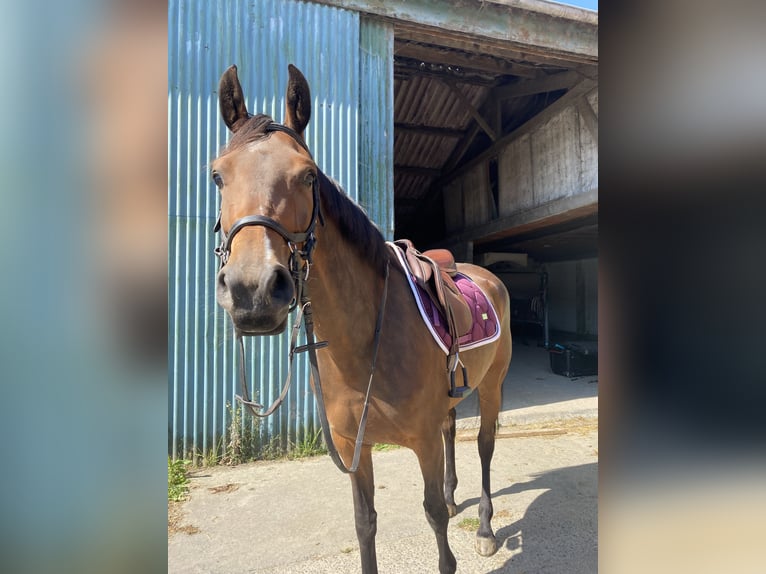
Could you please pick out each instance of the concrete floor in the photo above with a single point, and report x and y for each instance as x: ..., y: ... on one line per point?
x: 532, y: 393
x: 297, y: 517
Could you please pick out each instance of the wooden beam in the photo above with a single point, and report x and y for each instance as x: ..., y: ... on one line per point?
x: 551, y: 213
x: 435, y: 190
x: 406, y: 68
x: 526, y: 25
x: 416, y: 170
x: 471, y: 108
x: 437, y: 187
x: 451, y: 57
x: 461, y: 148
x: 527, y: 127
x: 525, y: 55
x: 421, y: 129
x: 559, y: 81
x: 589, y: 117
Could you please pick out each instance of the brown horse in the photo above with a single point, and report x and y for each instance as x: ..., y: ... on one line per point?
x: 276, y: 202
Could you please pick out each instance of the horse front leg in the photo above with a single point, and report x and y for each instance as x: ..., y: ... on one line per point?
x: 431, y: 459
x: 450, y: 475
x: 365, y: 517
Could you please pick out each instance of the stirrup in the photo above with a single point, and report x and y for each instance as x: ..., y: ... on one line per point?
x: 464, y: 390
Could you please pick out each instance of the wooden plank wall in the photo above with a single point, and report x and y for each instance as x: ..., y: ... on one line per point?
x: 453, y: 206
x: 477, y: 196
x: 558, y: 159
x: 468, y: 200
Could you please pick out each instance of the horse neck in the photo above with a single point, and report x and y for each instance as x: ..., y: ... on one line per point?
x: 345, y: 292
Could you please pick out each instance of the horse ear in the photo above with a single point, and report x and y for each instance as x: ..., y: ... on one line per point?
x: 231, y: 100
x: 297, y: 101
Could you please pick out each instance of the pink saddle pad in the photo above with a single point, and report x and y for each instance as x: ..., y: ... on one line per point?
x: 486, y: 326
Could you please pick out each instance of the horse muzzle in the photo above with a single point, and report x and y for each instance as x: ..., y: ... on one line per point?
x: 257, y: 301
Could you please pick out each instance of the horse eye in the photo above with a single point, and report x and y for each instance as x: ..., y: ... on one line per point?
x: 217, y: 179
x: 310, y: 178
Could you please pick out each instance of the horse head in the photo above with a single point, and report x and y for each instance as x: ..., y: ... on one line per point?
x: 268, y: 183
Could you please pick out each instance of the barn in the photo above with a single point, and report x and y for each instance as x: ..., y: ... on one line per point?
x: 465, y: 124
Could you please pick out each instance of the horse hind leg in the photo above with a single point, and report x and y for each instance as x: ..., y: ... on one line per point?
x: 450, y: 475
x: 489, y: 405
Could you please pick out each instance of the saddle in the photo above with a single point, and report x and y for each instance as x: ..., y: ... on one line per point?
x: 433, y: 271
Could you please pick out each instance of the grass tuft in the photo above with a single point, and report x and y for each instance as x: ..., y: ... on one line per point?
x: 178, y: 481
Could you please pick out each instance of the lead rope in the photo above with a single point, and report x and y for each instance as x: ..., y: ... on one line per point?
x: 332, y: 451
x: 245, y: 398
x: 300, y: 274
x: 311, y: 346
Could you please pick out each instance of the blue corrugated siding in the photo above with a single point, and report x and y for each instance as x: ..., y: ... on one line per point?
x: 376, y: 147
x: 261, y: 37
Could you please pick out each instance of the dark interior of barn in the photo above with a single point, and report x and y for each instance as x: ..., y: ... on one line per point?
x: 459, y: 102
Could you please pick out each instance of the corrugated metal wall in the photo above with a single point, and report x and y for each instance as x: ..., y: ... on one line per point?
x: 261, y: 37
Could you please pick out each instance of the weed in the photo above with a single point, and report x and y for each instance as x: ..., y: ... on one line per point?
x: 214, y: 455
x: 242, y: 445
x: 469, y: 524
x: 178, y: 482
x: 311, y: 445
x: 273, y: 450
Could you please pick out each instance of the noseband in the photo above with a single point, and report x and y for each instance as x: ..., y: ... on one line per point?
x: 300, y: 259
x: 300, y: 265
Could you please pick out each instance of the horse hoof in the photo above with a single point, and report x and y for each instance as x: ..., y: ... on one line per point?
x: 486, y: 546
x: 452, y: 510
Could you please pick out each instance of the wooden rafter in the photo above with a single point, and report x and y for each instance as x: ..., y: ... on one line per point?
x: 530, y: 125
x: 462, y: 147
x: 472, y: 61
x: 559, y: 81
x: 452, y: 171
x: 428, y: 130
x: 471, y: 108
x: 589, y: 117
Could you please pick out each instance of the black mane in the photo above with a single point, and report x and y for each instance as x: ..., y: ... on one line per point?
x: 353, y: 223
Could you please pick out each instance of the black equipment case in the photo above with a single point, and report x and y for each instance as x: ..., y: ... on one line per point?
x: 574, y: 359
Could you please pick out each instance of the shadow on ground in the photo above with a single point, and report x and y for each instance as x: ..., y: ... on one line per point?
x: 559, y: 531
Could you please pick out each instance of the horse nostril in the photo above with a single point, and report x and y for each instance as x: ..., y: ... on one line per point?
x: 282, y: 287
x: 222, y: 279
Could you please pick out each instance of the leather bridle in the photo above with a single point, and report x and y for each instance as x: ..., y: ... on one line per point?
x: 300, y: 259
x: 300, y: 265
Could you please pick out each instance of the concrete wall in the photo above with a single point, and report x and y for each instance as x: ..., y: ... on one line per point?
x: 573, y: 296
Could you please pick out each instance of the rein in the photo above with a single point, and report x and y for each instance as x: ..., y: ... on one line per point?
x: 300, y: 265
